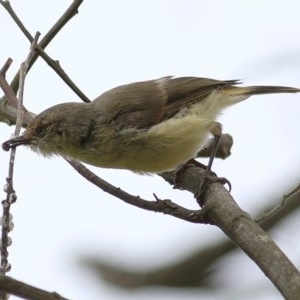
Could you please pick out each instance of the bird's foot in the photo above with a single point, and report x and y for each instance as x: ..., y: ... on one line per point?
x: 180, y: 169
x: 208, y: 179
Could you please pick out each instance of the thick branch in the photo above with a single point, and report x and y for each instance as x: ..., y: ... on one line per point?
x: 194, y: 270
x: 222, y: 211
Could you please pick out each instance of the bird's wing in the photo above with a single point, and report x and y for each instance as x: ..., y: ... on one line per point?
x: 136, y: 105
x: 144, y: 104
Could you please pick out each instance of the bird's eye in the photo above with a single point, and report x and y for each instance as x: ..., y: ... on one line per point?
x: 40, y: 131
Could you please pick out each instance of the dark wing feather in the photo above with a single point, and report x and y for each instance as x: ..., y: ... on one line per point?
x: 184, y: 91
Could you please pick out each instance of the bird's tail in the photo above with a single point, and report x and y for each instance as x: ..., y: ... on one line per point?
x: 258, y: 90
x: 236, y: 94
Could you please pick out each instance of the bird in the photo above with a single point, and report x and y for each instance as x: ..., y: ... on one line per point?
x: 147, y: 127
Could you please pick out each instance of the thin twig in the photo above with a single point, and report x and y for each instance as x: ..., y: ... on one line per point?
x: 23, y: 72
x: 9, y: 93
x: 277, y: 208
x: 10, y: 193
x: 26, y: 291
x: 70, y: 12
x: 167, y: 207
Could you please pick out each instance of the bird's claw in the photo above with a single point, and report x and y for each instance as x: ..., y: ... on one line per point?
x: 180, y: 169
x: 208, y: 179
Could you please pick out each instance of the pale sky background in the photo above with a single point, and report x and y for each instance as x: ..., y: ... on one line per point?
x: 59, y: 215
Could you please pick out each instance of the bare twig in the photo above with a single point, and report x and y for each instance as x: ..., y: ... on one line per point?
x: 9, y: 93
x: 23, y: 71
x: 26, y: 291
x: 10, y: 193
x: 71, y: 11
x: 274, y: 211
x: 164, y: 206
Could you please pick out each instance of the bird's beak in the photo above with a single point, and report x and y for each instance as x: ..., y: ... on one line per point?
x: 15, y: 142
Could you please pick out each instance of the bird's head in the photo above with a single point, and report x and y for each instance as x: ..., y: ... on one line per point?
x: 50, y: 132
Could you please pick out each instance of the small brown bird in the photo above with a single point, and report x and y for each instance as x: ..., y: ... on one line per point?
x: 147, y: 127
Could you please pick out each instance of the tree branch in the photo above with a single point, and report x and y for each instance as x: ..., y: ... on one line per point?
x: 26, y: 291
x: 11, y: 101
x: 164, y: 206
x: 10, y: 193
x: 194, y: 270
x: 222, y: 211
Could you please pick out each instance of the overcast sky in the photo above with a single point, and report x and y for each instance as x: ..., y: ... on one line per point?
x: 60, y: 216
